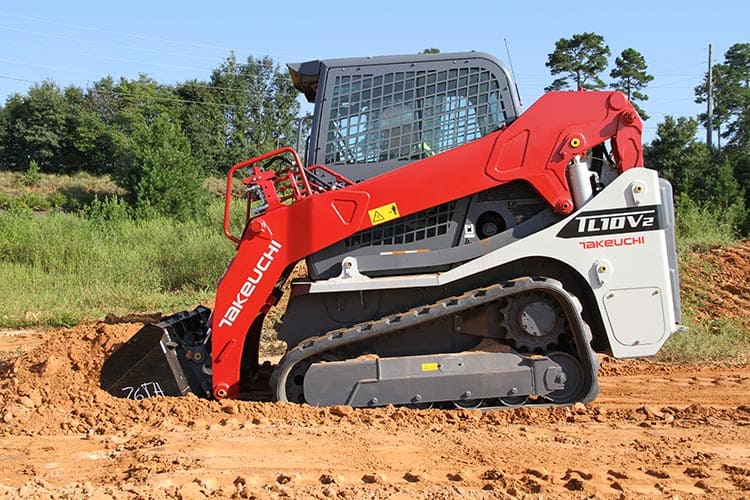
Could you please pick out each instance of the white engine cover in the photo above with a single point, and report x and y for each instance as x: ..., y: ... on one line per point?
x: 619, y: 242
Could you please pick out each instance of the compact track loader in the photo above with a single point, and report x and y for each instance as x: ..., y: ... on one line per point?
x: 458, y: 251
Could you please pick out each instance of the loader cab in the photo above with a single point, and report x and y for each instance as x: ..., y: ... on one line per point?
x: 375, y: 114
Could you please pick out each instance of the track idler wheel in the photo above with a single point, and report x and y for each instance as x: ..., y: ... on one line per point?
x: 468, y: 404
x: 514, y: 401
x: 295, y: 383
x: 574, y: 379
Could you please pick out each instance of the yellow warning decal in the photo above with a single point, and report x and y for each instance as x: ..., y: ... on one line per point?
x: 383, y: 214
x: 430, y: 367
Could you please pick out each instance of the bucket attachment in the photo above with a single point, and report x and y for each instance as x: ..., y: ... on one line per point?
x: 169, y: 358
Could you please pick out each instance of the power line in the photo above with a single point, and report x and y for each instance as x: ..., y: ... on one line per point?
x: 96, y: 42
x: 53, y: 68
x: 530, y: 77
x: 42, y: 66
x: 79, y: 40
x: 140, y: 37
x: 116, y: 59
x: 16, y: 79
x: 650, y: 87
x: 677, y: 56
x: 671, y: 101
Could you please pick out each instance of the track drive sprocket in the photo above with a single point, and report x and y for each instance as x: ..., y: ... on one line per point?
x: 534, y: 321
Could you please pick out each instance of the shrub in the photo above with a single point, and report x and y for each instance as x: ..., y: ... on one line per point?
x: 58, y: 200
x: 32, y: 177
x: 161, y: 179
x: 702, y: 226
x: 34, y: 201
x: 111, y: 209
x: 5, y: 201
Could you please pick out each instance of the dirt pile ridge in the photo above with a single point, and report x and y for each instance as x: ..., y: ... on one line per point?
x: 720, y: 280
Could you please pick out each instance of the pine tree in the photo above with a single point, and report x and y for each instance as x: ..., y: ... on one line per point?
x: 631, y: 77
x: 162, y: 178
x: 580, y: 59
x: 676, y: 154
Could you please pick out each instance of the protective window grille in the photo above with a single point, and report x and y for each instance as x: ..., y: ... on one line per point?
x: 407, y: 115
x: 415, y: 227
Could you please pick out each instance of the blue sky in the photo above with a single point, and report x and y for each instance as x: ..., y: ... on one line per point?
x: 79, y: 42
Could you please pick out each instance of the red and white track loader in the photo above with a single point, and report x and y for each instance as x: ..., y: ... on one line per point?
x: 458, y: 251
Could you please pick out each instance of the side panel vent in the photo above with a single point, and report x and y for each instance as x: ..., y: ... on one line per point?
x: 419, y: 226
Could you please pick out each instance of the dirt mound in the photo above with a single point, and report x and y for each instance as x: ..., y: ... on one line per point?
x: 656, y: 429
x: 718, y: 282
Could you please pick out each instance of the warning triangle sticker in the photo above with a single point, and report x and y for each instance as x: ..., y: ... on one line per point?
x: 384, y: 213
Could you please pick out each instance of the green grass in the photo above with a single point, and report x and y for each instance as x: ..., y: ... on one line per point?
x: 721, y: 341
x: 62, y: 269
x: 702, y: 227
x: 66, y: 192
x: 70, y: 252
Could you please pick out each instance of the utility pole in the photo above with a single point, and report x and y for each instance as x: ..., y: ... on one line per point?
x: 710, y: 103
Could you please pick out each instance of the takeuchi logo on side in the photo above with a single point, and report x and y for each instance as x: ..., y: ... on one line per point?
x: 248, y: 287
x: 627, y: 241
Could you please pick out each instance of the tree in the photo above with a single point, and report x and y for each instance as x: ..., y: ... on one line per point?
x: 731, y: 117
x: 719, y: 88
x: 100, y: 147
x: 202, y: 118
x: 719, y: 187
x: 113, y: 110
x: 580, y: 59
x: 741, y: 164
x: 737, y: 99
x: 141, y: 100
x: 259, y: 104
x: 36, y: 127
x: 701, y: 181
x: 676, y: 154
x: 246, y: 109
x: 162, y: 178
x: 3, y: 135
x: 631, y: 77
x: 103, y: 100
x: 431, y: 50
x: 731, y: 94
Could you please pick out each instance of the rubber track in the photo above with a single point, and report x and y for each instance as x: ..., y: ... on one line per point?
x: 452, y: 305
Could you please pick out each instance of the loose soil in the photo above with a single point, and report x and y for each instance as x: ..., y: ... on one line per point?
x: 656, y: 430
x: 719, y: 282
